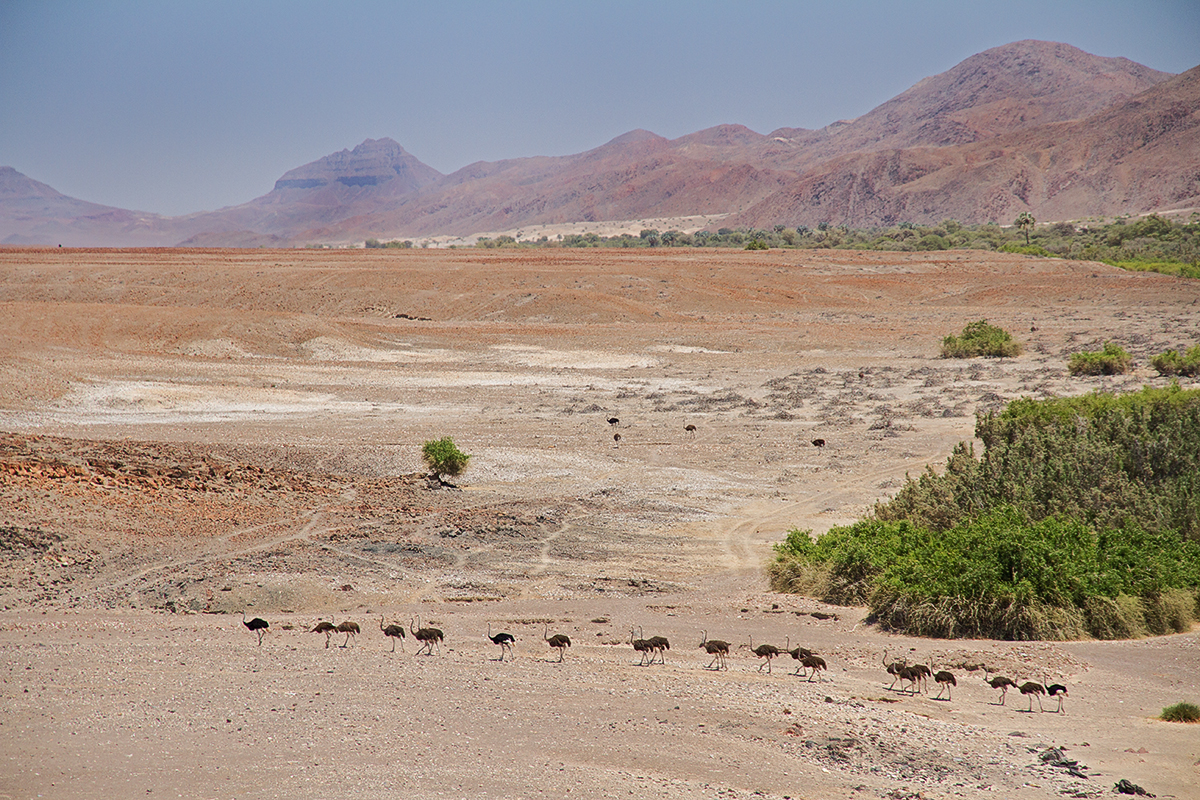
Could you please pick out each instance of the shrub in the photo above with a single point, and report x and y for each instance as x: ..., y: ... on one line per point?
x: 444, y: 458
x: 756, y: 244
x: 1082, y: 517
x: 1171, y: 363
x: 1181, y: 712
x: 1112, y: 360
x: 981, y: 339
x: 1000, y: 576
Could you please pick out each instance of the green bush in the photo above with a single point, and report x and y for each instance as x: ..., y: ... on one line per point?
x: 444, y: 458
x: 1026, y: 250
x: 1112, y: 360
x: 756, y: 244
x: 1171, y: 363
x: 1181, y: 712
x: 981, y: 339
x: 1082, y: 517
x: 1001, y: 576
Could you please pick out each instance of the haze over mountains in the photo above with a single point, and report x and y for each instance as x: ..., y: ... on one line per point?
x: 1035, y: 126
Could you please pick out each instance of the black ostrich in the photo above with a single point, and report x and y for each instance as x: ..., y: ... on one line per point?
x: 429, y: 637
x: 1033, y: 690
x: 613, y: 421
x: 394, y: 632
x: 616, y: 440
x: 1057, y: 691
x: 999, y: 682
x: 660, y: 645
x: 923, y: 673
x: 691, y: 430
x: 350, y: 629
x: 505, y: 640
x: 258, y: 625
x: 767, y: 651
x: 715, y: 648
x: 642, y: 646
x: 327, y: 628
x: 818, y: 443
x: 559, y: 641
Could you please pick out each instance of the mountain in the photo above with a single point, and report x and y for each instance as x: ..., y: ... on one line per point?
x: 33, y: 213
x: 1031, y: 125
x: 1142, y: 154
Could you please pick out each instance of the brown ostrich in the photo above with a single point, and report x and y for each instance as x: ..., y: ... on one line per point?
x: 429, y: 637
x: 691, y: 430
x: 559, y: 641
x: 642, y: 646
x: 798, y: 653
x: 1033, y: 690
x: 660, y: 645
x: 394, y: 632
x: 893, y: 669
x: 813, y: 663
x: 257, y: 625
x: 327, y: 628
x: 945, y: 680
x: 767, y: 651
x: 350, y: 629
x: 999, y: 682
x: 715, y: 648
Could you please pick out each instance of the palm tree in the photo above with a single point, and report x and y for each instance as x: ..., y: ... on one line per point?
x: 1025, y: 221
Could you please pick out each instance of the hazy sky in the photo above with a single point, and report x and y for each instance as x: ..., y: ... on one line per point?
x: 180, y: 106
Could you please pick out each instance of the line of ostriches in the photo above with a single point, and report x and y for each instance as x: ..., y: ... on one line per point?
x: 906, y: 678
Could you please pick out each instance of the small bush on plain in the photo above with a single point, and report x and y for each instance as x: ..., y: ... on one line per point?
x: 981, y: 339
x: 1171, y: 363
x: 444, y: 458
x: 1111, y: 360
x: 1181, y: 712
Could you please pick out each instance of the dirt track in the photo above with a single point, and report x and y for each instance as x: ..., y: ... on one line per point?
x: 207, y: 431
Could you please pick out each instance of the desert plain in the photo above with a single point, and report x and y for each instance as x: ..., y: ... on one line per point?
x: 189, y: 434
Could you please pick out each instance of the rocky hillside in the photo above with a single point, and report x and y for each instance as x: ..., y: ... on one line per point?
x: 1037, y: 126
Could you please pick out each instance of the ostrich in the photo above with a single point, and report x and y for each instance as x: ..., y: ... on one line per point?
x: 767, y: 651
x: 813, y: 663
x: 350, y: 629
x: 923, y: 673
x: 1033, y: 690
x: 505, y: 640
x: 893, y: 668
x: 395, y: 632
x: 258, y: 625
x: 660, y: 645
x: 616, y: 440
x: 691, y: 430
x: 429, y: 637
x: 945, y: 680
x: 1057, y: 691
x: 613, y: 421
x: 642, y: 646
x: 999, y: 682
x: 559, y: 641
x: 715, y: 648
x: 818, y: 443
x: 327, y: 628
x: 798, y: 653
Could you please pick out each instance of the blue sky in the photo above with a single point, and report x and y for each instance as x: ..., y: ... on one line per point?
x: 179, y: 106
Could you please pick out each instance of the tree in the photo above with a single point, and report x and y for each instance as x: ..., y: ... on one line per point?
x: 444, y: 458
x: 1025, y: 221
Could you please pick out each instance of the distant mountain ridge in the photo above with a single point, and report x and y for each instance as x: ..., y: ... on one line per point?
x: 1037, y: 126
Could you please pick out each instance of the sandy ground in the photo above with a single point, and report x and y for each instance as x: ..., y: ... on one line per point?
x: 189, y: 434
